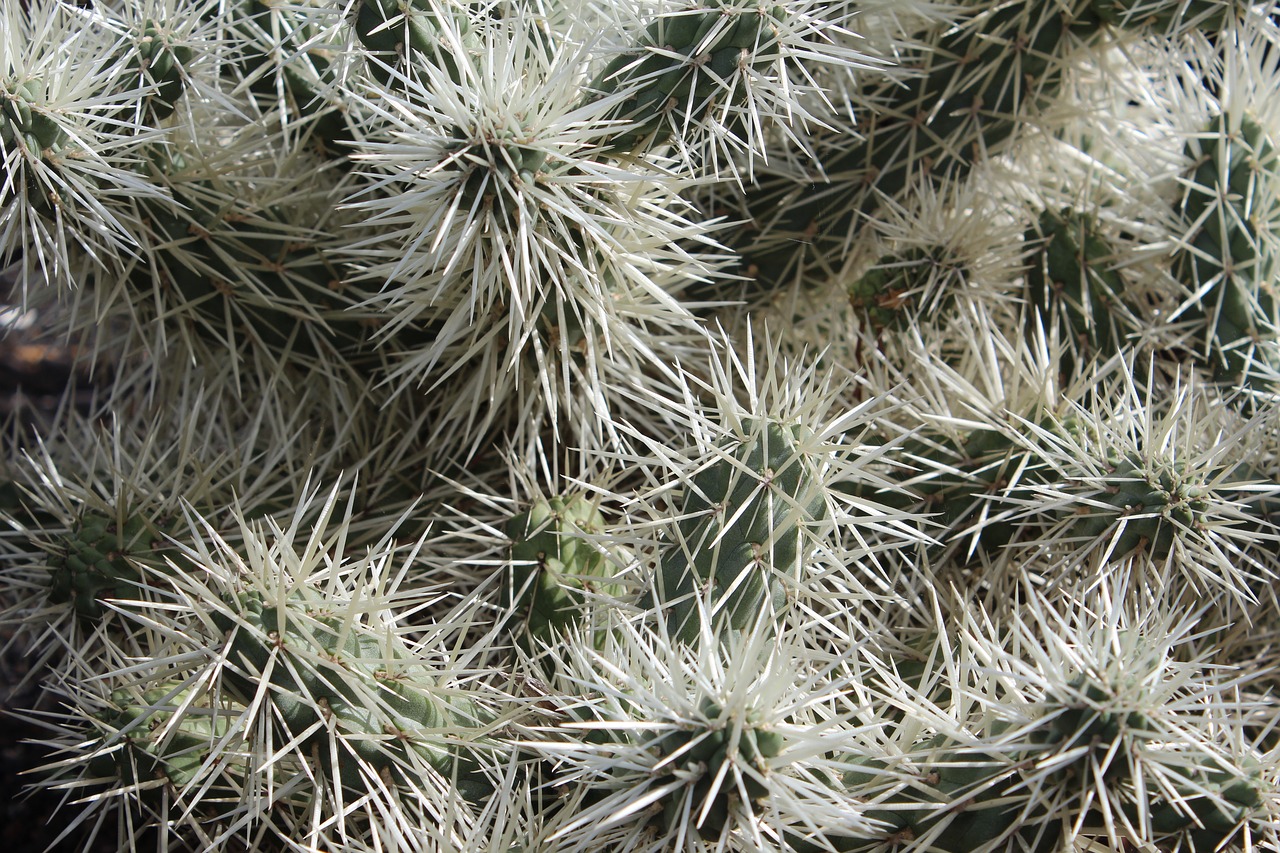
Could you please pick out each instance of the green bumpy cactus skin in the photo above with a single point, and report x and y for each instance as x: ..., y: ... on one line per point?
x: 23, y: 123
x: 159, y: 62
x: 901, y: 288
x: 99, y: 559
x: 704, y: 752
x: 742, y: 531
x: 940, y: 123
x: 1153, y: 504
x: 553, y: 564
x: 391, y: 31
x: 145, y: 744
x: 355, y: 683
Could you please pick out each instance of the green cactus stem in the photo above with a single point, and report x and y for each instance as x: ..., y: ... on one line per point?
x: 954, y: 483
x: 1074, y: 288
x: 671, y: 79
x: 1224, y: 262
x: 367, y: 689
x: 555, y: 567
x: 900, y: 288
x: 104, y: 557
x: 1152, y: 505
x: 741, y: 533
x: 393, y: 31
x: 242, y: 271
x: 24, y: 124
x: 160, y: 736
x: 159, y: 61
x: 702, y: 753
x: 974, y: 88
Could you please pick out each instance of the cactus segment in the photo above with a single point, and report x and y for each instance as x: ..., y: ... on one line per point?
x: 702, y: 753
x: 553, y: 563
x: 1152, y: 505
x: 968, y: 793
x: 1073, y: 288
x: 961, y: 108
x: 392, y: 31
x: 367, y: 689
x: 1231, y: 197
x: 670, y: 80
x: 25, y: 125
x: 961, y: 104
x: 100, y: 559
x: 1167, y: 16
x: 742, y: 530
x: 279, y: 56
x: 149, y: 739
x: 897, y: 289
x: 159, y: 62
x: 241, y: 271
x: 1215, y: 806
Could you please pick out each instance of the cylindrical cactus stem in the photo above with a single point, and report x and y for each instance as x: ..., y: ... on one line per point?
x: 557, y: 566
x: 378, y: 708
x: 279, y: 55
x: 1232, y: 197
x: 1074, y: 288
x: 741, y: 533
x: 669, y: 82
x: 960, y: 799
x: 163, y: 735
x: 974, y: 88
x: 393, y: 31
x: 728, y: 746
x: 1213, y: 808
x: 1153, y: 504
x: 247, y: 270
x: 955, y: 482
x: 26, y: 126
x: 159, y: 60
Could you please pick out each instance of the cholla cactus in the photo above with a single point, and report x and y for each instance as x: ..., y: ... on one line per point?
x: 811, y: 425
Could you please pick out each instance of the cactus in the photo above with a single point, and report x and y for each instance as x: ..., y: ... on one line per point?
x: 741, y: 535
x: 103, y: 558
x: 797, y: 425
x: 555, y: 566
x: 1230, y: 205
x: 1073, y: 288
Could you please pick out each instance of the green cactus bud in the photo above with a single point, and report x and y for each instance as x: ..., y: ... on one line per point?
x: 25, y: 124
x: 742, y: 531
x: 1153, y: 503
x: 159, y: 60
x: 553, y: 564
x: 102, y: 558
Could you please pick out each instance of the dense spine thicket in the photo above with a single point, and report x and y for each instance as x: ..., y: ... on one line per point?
x: 813, y: 425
